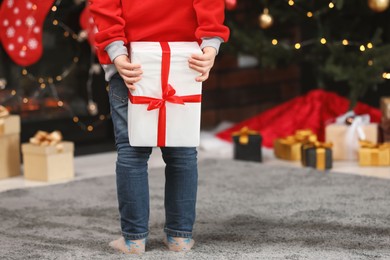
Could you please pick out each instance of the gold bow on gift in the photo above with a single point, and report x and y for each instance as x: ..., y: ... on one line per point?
x: 43, y: 138
x: 300, y: 136
x: 370, y: 145
x: 3, y: 112
x: 244, y: 134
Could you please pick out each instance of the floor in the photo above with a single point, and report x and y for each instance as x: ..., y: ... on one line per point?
x: 210, y: 147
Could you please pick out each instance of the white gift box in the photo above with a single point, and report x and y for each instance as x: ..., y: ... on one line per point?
x: 156, y: 115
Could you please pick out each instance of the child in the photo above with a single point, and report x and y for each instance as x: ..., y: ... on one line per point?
x: 120, y: 22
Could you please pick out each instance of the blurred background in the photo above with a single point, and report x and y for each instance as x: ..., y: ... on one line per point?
x: 278, y: 50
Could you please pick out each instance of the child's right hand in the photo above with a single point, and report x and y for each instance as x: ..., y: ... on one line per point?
x: 130, y: 73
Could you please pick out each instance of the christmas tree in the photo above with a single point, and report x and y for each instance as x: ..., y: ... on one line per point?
x: 340, y: 42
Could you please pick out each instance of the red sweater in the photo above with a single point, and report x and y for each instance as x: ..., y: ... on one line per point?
x: 156, y: 20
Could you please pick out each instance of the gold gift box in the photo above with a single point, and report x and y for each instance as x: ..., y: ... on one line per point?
x: 336, y: 134
x: 48, y: 163
x: 9, y: 146
x: 289, y: 148
x: 371, y: 154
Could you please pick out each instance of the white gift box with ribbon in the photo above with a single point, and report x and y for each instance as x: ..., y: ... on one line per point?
x: 164, y: 109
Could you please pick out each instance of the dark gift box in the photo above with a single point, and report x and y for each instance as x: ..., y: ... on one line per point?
x: 317, y: 155
x: 385, y: 131
x: 247, y: 145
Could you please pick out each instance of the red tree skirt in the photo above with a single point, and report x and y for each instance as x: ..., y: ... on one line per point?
x: 311, y: 111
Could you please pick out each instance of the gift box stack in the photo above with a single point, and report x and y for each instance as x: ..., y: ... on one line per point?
x: 385, y: 122
x: 48, y: 158
x: 346, y: 132
x: 247, y: 145
x: 303, y: 146
x: 290, y: 147
x: 9, y: 144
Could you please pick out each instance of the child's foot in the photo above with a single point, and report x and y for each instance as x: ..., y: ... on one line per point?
x: 179, y: 244
x: 129, y: 246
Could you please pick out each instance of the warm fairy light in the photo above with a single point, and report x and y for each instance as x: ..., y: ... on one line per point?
x: 297, y: 46
x: 331, y: 5
x: 75, y: 119
x: 55, y: 22
x: 274, y: 42
x: 102, y: 117
x: 54, y: 8
x: 90, y: 128
x: 75, y: 36
x: 291, y: 2
x: 108, y: 88
x: 66, y: 34
x: 41, y: 80
x: 362, y: 48
x: 323, y: 40
x: 25, y: 100
x: 43, y: 85
x: 58, y: 78
x: 24, y: 72
x: 60, y: 103
x: 369, y: 45
x: 13, y: 92
x: 50, y: 80
x: 370, y: 62
x: 75, y: 59
x: 345, y: 42
x: 386, y: 75
x: 309, y: 14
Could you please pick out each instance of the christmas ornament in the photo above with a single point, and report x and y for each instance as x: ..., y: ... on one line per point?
x: 231, y: 4
x: 265, y: 19
x: 21, y: 29
x: 378, y: 5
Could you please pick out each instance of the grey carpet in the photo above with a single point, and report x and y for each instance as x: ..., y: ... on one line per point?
x: 245, y: 211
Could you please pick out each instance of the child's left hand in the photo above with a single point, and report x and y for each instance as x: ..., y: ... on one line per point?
x: 203, y: 62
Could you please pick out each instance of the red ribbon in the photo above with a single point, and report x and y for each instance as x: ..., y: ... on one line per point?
x: 168, y: 95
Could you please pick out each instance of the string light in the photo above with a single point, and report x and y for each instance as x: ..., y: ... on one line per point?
x: 51, y: 80
x: 274, y: 42
x: 370, y: 62
x: 362, y: 48
x: 331, y: 5
x: 297, y: 46
x: 386, y: 75
x: 309, y: 14
x: 291, y: 2
x: 323, y: 41
x: 369, y: 45
x: 345, y: 42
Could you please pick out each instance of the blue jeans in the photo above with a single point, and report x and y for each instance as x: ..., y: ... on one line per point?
x: 181, y: 177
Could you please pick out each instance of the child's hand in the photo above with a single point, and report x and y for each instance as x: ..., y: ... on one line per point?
x: 131, y: 73
x: 203, y: 62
